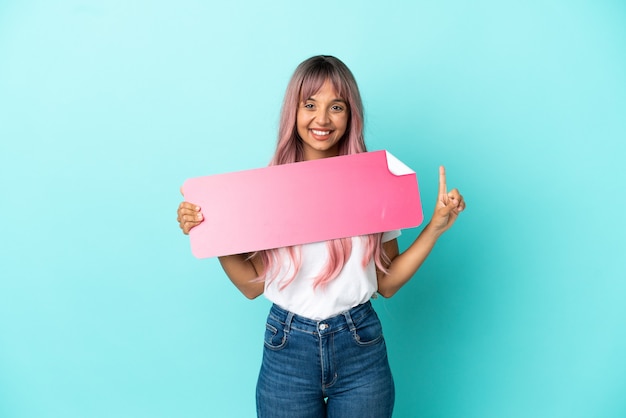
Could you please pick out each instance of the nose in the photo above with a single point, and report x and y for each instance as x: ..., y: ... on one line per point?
x: 321, y: 117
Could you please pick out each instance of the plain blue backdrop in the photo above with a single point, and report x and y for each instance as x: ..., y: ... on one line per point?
x: 106, y: 107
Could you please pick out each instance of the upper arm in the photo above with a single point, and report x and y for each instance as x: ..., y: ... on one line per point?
x: 242, y: 271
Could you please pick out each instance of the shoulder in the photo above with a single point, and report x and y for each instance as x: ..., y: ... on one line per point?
x: 389, y: 235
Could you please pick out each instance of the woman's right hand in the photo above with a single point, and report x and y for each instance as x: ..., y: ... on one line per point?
x: 189, y: 216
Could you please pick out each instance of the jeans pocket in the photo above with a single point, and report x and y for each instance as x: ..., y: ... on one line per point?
x: 368, y: 332
x: 275, y: 336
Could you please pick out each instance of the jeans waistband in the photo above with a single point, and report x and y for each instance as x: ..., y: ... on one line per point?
x: 335, y: 323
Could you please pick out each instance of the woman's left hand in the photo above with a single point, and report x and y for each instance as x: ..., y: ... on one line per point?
x: 449, y: 205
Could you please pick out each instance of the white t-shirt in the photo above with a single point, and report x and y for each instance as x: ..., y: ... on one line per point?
x: 353, y: 286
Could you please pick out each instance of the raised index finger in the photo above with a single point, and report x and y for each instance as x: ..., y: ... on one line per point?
x: 443, y: 189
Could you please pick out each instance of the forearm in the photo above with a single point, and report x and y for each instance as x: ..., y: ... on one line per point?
x: 406, y: 264
x: 242, y: 272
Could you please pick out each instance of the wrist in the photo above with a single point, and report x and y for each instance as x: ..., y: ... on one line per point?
x: 432, y: 231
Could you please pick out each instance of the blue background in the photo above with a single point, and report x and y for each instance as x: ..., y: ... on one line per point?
x: 106, y: 107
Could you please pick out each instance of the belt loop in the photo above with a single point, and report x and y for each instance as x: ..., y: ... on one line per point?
x: 288, y: 322
x: 349, y: 321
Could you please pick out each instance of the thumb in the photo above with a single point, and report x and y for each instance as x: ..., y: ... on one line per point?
x: 448, y: 205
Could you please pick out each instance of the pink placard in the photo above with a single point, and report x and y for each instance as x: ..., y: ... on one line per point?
x: 303, y: 202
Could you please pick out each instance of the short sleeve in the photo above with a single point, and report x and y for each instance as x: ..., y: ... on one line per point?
x: 389, y: 235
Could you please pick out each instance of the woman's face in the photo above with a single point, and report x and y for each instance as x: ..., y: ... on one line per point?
x: 322, y: 120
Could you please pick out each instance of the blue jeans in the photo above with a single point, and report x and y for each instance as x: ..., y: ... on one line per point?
x: 335, y: 368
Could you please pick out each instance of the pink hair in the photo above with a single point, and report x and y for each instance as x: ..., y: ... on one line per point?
x: 307, y: 79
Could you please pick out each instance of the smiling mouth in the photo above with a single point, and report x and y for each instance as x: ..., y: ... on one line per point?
x: 320, y: 133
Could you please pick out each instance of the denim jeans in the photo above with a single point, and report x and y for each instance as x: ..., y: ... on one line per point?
x: 335, y: 368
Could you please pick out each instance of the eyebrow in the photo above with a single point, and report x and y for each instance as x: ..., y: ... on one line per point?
x: 332, y: 101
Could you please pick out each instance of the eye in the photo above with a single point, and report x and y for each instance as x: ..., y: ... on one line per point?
x: 337, y: 108
x: 308, y: 106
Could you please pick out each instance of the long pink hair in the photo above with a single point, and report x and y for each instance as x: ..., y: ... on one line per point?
x: 307, y: 80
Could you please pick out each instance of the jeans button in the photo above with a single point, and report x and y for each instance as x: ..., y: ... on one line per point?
x: 323, y: 327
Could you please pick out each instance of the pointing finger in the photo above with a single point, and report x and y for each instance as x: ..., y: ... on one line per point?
x: 442, y: 181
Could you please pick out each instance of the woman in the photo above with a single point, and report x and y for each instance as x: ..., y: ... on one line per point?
x: 324, y: 353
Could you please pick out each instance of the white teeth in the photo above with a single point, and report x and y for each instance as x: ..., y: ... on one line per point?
x: 320, y: 133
